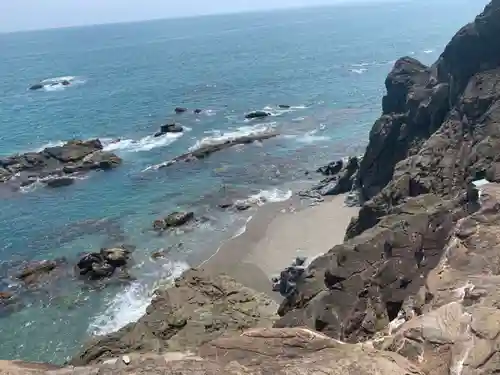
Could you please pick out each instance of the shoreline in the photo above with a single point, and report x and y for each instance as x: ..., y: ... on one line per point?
x: 275, y: 235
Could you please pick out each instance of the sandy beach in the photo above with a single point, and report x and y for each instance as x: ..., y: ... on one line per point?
x: 276, y: 235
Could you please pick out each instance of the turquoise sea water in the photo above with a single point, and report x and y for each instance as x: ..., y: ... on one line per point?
x: 329, y: 64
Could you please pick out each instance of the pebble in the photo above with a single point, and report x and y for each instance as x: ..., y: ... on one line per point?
x: 126, y: 359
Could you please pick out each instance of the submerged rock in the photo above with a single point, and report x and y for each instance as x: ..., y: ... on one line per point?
x: 197, y: 111
x: 180, y: 110
x: 169, y: 128
x: 257, y: 114
x: 37, y: 273
x: 175, y: 219
x: 36, y: 86
x: 284, y: 106
x: 59, y: 182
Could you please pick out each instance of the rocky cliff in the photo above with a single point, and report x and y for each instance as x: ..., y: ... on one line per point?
x: 439, y: 130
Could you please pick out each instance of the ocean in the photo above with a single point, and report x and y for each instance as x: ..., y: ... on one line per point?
x: 328, y: 64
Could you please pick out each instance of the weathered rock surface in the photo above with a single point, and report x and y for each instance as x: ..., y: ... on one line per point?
x: 255, y: 352
x: 358, y: 287
x: 453, y: 322
x: 55, y: 165
x: 197, y: 309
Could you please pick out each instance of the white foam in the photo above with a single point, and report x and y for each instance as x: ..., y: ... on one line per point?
x: 268, y: 196
x: 218, y: 137
x: 129, y: 305
x: 147, y: 143
x: 49, y: 144
x: 309, y: 137
x: 243, y: 229
x: 55, y: 84
x: 358, y: 71
x: 427, y: 51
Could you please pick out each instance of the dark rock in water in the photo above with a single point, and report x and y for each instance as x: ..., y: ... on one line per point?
x: 97, y: 266
x: 36, y: 86
x: 242, y: 206
x: 55, y: 163
x: 206, y: 151
x: 342, y: 179
x: 169, y: 128
x: 59, y: 182
x: 331, y: 169
x: 177, y: 219
x: 198, y: 111
x: 284, y: 106
x: 257, y: 114
x: 180, y: 110
x: 65, y: 83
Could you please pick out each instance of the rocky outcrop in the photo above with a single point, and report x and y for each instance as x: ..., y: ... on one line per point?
x: 195, y: 310
x: 255, y: 352
x: 452, y: 324
x: 341, y: 178
x: 56, y: 166
x: 206, y: 150
x: 437, y: 130
x: 101, y: 265
x: 357, y: 288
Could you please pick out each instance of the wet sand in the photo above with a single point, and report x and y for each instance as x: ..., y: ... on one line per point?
x: 277, y: 234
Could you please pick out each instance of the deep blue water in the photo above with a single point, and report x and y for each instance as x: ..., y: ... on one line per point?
x: 328, y: 63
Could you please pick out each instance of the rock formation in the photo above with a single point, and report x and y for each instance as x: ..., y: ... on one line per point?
x: 56, y: 166
x: 420, y: 254
x: 205, y: 151
x: 197, y: 309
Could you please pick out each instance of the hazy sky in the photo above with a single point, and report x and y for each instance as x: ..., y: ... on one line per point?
x: 39, y: 14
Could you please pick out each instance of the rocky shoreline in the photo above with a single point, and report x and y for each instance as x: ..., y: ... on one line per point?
x: 413, y: 288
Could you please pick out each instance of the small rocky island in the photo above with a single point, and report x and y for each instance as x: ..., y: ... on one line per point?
x: 56, y: 166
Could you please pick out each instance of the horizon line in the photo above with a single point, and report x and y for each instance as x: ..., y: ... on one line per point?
x: 203, y: 15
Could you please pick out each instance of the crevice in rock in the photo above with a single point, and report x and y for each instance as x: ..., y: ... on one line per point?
x: 393, y: 308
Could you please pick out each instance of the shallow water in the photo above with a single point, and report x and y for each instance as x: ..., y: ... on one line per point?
x: 329, y: 64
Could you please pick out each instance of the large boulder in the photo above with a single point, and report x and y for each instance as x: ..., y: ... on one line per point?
x: 197, y: 309
x: 73, y: 150
x: 169, y: 128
